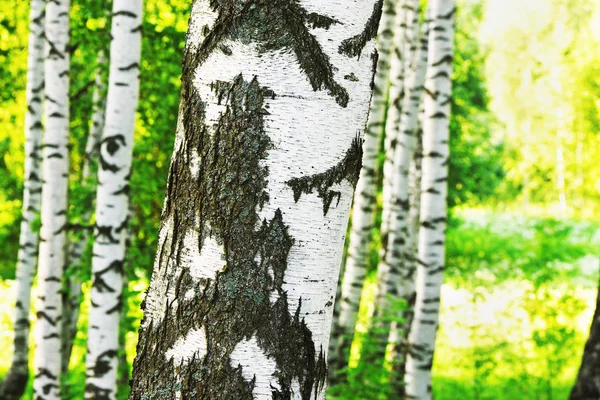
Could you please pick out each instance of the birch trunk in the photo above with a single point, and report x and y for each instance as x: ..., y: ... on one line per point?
x: 402, y: 123
x: 112, y: 201
x: 438, y: 88
x: 13, y: 385
x: 587, y: 385
x: 265, y: 163
x: 395, y: 96
x: 77, y: 245
x: 363, y: 215
x: 401, y: 328
x: 55, y: 173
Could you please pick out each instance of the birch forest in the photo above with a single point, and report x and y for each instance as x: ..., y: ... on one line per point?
x: 300, y: 199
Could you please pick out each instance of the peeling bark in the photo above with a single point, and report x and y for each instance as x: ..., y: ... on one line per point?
x: 13, y: 385
x: 241, y: 297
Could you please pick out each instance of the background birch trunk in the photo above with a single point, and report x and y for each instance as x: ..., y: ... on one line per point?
x: 55, y: 182
x: 241, y: 298
x: 402, y: 124
x: 112, y: 201
x: 79, y: 241
x: 13, y: 385
x: 363, y: 213
x: 401, y: 327
x: 438, y: 88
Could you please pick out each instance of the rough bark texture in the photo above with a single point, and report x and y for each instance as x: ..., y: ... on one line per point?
x: 363, y: 213
x: 55, y: 173
x: 587, y: 385
x: 79, y: 238
x: 112, y: 201
x: 265, y: 162
x: 438, y: 87
x: 13, y: 385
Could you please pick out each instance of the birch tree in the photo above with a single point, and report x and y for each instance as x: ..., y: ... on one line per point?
x: 14, y: 382
x: 265, y: 162
x: 363, y: 215
x: 403, y: 122
x: 78, y: 244
x: 55, y: 173
x: 112, y: 201
x: 438, y: 88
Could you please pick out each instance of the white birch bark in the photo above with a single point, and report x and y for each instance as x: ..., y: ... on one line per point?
x: 77, y: 244
x: 363, y: 213
x: 438, y: 88
x: 263, y: 171
x: 14, y: 382
x: 394, y: 104
x: 402, y: 125
x: 55, y: 175
x: 112, y: 200
x: 391, y: 270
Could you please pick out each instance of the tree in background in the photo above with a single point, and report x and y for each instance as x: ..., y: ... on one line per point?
x: 434, y: 181
x: 55, y: 180
x: 80, y: 235
x: 363, y: 212
x: 112, y: 201
x: 253, y: 223
x: 13, y: 385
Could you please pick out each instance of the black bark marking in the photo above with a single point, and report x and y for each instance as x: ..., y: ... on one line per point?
x: 124, y: 14
x: 222, y: 200
x: 353, y: 47
x: 273, y: 25
x: 130, y: 67
x: 348, y: 168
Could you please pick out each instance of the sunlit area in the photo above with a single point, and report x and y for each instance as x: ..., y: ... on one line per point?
x: 522, y: 240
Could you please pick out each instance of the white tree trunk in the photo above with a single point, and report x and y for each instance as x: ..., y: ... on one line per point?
x: 112, y: 200
x: 79, y: 241
x: 14, y: 383
x: 402, y: 124
x: 264, y: 166
x: 55, y: 175
x: 395, y: 96
x: 438, y: 88
x: 363, y: 213
x: 400, y: 330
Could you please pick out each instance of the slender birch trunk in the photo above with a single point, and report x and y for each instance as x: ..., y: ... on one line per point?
x: 112, y: 201
x: 401, y: 329
x: 363, y: 215
x: 587, y: 385
x: 402, y: 123
x: 395, y: 96
x: 77, y: 245
x: 438, y: 88
x: 265, y: 164
x: 13, y: 385
x: 55, y: 173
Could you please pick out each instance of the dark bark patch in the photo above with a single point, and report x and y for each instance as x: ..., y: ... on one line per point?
x: 347, y: 169
x: 221, y: 199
